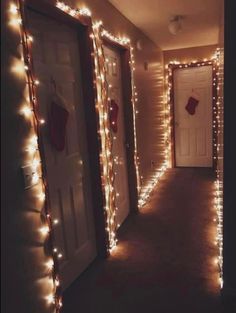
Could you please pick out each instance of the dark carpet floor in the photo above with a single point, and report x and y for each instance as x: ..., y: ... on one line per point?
x: 164, y: 262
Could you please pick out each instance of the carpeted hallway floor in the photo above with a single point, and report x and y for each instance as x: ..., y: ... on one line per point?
x: 164, y: 262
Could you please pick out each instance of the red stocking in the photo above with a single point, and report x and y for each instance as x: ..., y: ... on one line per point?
x: 191, y: 105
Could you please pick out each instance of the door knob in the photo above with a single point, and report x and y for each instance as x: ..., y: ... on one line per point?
x: 176, y: 124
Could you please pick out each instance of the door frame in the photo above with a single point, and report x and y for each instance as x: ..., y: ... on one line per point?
x: 126, y: 83
x: 171, y: 69
x: 83, y: 26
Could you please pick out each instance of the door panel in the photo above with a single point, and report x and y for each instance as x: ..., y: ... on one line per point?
x: 201, y: 142
x: 193, y: 133
x: 113, y: 77
x: 56, y: 55
x: 184, y: 142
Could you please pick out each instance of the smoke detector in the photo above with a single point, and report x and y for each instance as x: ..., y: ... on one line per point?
x: 175, y: 24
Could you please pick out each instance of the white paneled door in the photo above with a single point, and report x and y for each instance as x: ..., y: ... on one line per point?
x: 193, y: 125
x: 56, y: 58
x: 113, y: 76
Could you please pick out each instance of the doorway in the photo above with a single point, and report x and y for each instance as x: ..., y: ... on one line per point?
x: 193, y: 116
x: 56, y: 59
x: 119, y: 146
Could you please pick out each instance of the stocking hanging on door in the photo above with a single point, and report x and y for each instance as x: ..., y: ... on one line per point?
x: 113, y: 115
x: 57, y: 121
x: 191, y: 105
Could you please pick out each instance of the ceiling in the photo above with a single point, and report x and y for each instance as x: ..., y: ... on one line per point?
x: 200, y: 23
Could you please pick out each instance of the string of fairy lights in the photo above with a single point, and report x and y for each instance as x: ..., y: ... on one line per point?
x: 125, y: 42
x: 219, y: 145
x: 144, y: 192
x: 34, y: 150
x: 34, y: 146
x: 106, y: 158
x: 105, y: 138
x: 148, y: 188
x: 217, y: 99
x: 102, y: 106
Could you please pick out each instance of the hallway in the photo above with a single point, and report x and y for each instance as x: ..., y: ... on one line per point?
x: 164, y: 261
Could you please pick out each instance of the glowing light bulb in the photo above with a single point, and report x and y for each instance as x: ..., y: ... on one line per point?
x: 50, y: 264
x: 57, y: 282
x: 44, y: 230
x: 16, y: 21
x: 41, y: 196
x: 85, y: 11
x: 13, y: 8
x: 60, y: 303
x: 36, y: 82
x: 35, y: 178
x: 26, y: 110
x: 50, y: 298
x: 34, y: 140
x: 30, y: 38
x: 35, y: 163
x: 221, y: 282
x: 31, y: 149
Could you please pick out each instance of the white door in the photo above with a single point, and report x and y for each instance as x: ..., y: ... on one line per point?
x: 113, y: 77
x: 56, y: 55
x: 193, y: 132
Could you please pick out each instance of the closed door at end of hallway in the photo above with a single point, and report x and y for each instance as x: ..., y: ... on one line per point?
x: 193, y: 116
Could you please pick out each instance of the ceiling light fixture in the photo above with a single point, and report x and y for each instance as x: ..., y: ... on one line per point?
x: 175, y: 25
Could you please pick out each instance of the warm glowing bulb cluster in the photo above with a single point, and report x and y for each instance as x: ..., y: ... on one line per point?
x: 146, y: 190
x: 73, y: 12
x: 124, y: 41
x: 218, y: 147
x: 34, y: 156
x: 102, y: 105
x: 135, y: 112
x: 120, y: 40
x: 105, y: 138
